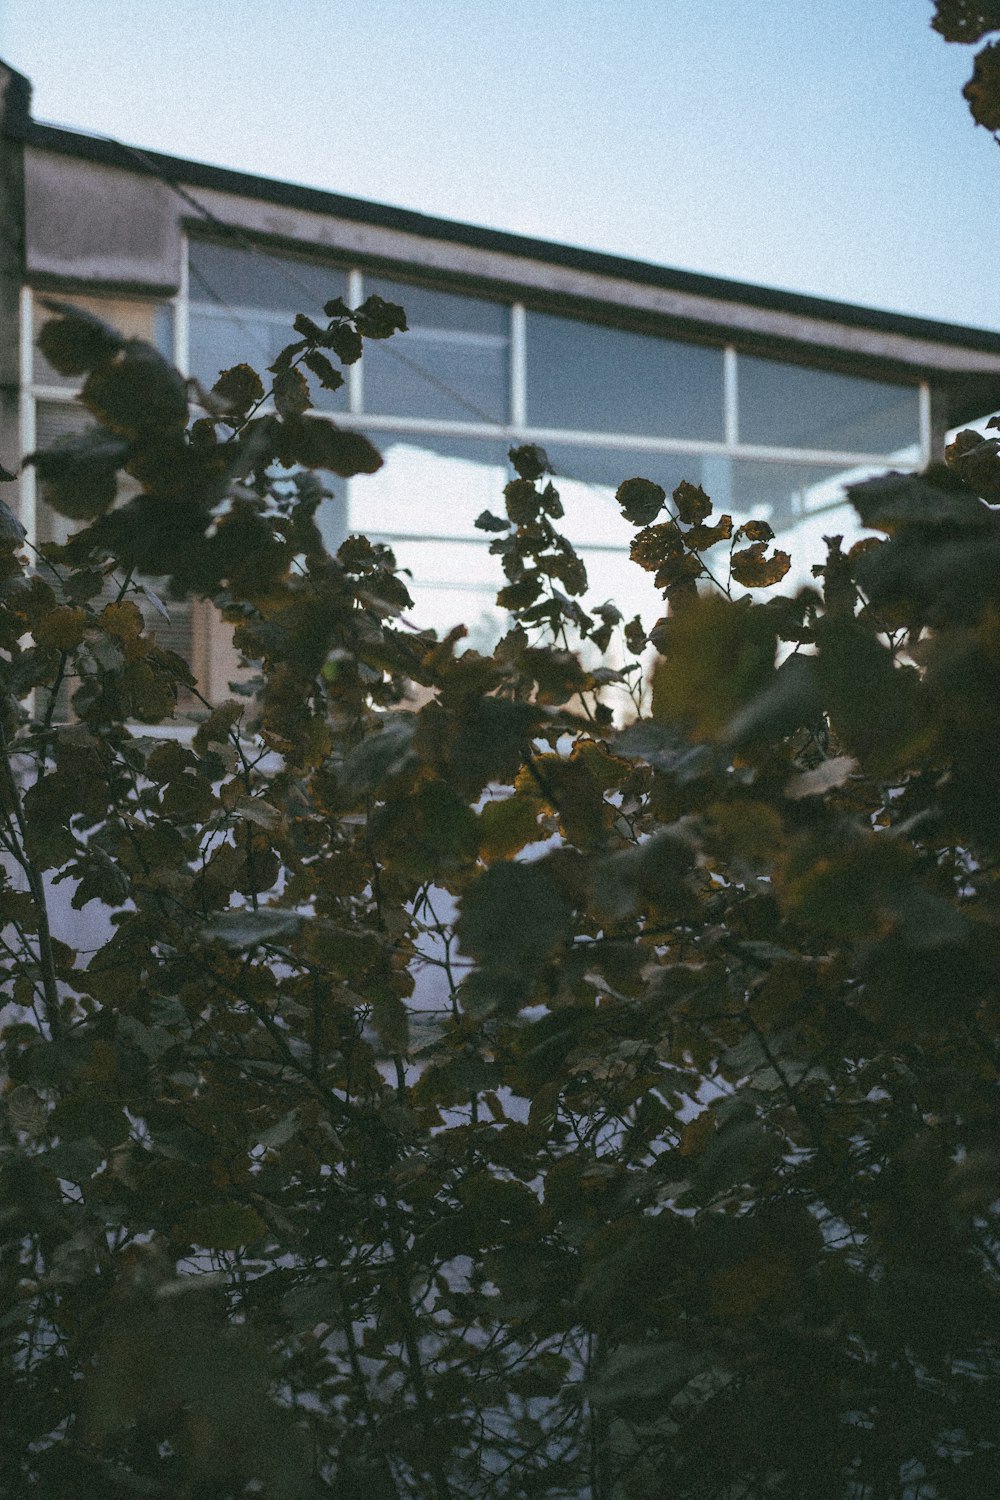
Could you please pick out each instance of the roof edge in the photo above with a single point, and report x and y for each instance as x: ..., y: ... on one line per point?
x: 110, y: 152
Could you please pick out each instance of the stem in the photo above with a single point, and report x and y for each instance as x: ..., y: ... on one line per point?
x: 36, y: 885
x: 411, y: 1343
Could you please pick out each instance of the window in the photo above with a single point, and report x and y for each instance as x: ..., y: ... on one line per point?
x: 453, y: 363
x: 242, y: 306
x: 790, y: 406
x: 583, y: 376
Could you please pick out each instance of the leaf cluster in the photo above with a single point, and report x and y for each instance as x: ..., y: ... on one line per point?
x: 569, y: 1070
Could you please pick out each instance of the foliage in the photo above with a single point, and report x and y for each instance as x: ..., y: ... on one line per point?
x: 969, y: 21
x: 469, y: 1092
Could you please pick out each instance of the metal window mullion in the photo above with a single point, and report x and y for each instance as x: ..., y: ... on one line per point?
x: 518, y: 366
x: 730, y: 397
x: 182, y: 313
x: 355, y: 374
x: 926, y: 423
x: 635, y: 442
x: 27, y: 418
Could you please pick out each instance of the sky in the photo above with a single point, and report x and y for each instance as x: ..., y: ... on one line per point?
x: 818, y: 147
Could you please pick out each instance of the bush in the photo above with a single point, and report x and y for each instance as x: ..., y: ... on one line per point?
x: 472, y: 1097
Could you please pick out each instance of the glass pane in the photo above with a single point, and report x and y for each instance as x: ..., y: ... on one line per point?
x: 791, y: 406
x: 587, y: 479
x: 428, y: 487
x: 236, y: 276
x: 453, y: 363
x: 242, y: 308
x: 599, y: 379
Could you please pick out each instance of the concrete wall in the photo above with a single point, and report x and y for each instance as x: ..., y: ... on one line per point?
x: 93, y: 223
x: 15, y: 104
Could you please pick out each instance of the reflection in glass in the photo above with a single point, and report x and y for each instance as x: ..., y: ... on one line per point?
x: 587, y: 479
x: 791, y: 406
x: 429, y: 486
x: 584, y: 376
x: 452, y: 364
x: 242, y: 308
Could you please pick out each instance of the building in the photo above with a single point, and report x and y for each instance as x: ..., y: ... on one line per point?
x: 769, y: 400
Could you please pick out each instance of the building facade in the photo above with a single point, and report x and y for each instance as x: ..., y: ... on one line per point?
x: 771, y: 401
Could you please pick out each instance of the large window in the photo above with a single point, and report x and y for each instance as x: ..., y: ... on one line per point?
x: 791, y: 406
x: 453, y: 363
x: 242, y: 304
x: 581, y: 376
x: 476, y: 373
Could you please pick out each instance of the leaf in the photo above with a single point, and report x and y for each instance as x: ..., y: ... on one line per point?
x: 640, y: 1373
x: 329, y: 377
x: 529, y: 461
x: 983, y: 89
x: 487, y: 521
x: 693, y: 505
x: 223, y: 1226
x: 25, y: 1110
x: 717, y: 657
x: 291, y: 393
x: 753, y: 570
x: 641, y: 500
x: 79, y: 474
x: 240, y: 930
x: 63, y: 628
x: 893, y: 502
x: 76, y: 341
x: 755, y: 531
x: 966, y: 20
x: 378, y: 319
x: 240, y: 387
x: 138, y: 393
x: 378, y: 756
x: 512, y: 917
x: 123, y: 621
x: 217, y: 727
x: 703, y: 537
x: 507, y: 824
x: 316, y: 443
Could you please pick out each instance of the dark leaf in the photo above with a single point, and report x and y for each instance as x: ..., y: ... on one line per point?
x: 983, y: 89
x: 316, y: 443
x: 76, y: 341
x: 241, y: 930
x: 641, y: 500
x: 79, y: 475
x: 529, y: 461
x: 329, y: 377
x: 754, y: 570
x: 291, y: 393
x: 137, y: 393
x: 693, y: 505
x: 377, y: 319
x: 240, y: 388
x: 512, y: 918
x: 966, y: 20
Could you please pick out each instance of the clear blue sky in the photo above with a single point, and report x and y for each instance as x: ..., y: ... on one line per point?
x: 817, y: 145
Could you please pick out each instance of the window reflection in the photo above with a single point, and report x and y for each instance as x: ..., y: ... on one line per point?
x: 429, y: 486
x: 790, y: 406
x: 583, y: 376
x: 243, y: 305
x: 452, y: 364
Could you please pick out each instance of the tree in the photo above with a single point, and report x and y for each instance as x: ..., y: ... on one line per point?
x: 473, y: 1098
